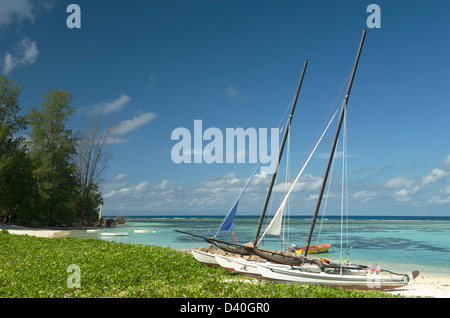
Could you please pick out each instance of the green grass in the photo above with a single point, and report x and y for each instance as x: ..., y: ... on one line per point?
x: 37, y: 267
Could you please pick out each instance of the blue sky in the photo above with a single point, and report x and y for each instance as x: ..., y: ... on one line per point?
x: 159, y: 65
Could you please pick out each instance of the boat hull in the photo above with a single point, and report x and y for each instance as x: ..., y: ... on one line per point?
x: 240, y: 265
x: 314, y: 249
x: 145, y: 231
x: 349, y: 281
x: 114, y: 234
x: 205, y: 258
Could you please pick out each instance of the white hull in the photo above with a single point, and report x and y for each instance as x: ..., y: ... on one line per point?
x: 240, y: 265
x: 205, y: 258
x: 250, y: 267
x: 145, y: 231
x: 114, y: 234
x: 346, y: 280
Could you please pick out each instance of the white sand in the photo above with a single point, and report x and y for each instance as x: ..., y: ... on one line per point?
x: 40, y: 232
x: 426, y: 286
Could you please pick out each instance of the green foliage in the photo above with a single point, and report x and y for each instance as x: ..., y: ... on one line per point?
x: 37, y: 267
x: 16, y: 180
x: 10, y: 120
x: 39, y: 184
x: 17, y: 185
x: 52, y: 148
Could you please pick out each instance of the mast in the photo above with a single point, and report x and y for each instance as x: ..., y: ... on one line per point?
x: 274, y: 175
x: 333, y: 148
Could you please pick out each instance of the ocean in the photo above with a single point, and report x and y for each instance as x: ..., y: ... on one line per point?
x: 399, y: 244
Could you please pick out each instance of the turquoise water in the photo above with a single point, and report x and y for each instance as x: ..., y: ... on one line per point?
x: 395, y: 243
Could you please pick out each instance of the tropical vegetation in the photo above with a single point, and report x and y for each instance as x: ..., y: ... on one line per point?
x: 43, y: 176
x: 45, y: 267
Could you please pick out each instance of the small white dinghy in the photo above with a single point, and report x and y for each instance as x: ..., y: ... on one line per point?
x: 114, y: 234
x: 145, y: 231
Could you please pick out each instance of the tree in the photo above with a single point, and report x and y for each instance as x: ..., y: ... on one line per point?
x: 17, y: 185
x: 52, y: 149
x: 92, y: 160
x: 10, y: 120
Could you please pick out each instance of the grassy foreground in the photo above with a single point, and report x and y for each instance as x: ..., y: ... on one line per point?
x: 40, y: 267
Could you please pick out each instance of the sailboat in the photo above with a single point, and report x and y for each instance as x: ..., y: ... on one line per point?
x: 345, y: 275
x: 282, y: 267
x: 228, y: 221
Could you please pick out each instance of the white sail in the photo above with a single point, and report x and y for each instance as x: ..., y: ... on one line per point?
x: 274, y: 226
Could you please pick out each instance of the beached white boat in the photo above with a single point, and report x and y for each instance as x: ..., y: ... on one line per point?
x: 351, y: 279
x: 205, y: 258
x: 242, y: 266
x: 93, y: 230
x: 114, y: 234
x: 145, y: 231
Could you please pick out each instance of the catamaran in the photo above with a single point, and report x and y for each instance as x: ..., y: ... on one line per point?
x: 228, y: 221
x: 288, y: 268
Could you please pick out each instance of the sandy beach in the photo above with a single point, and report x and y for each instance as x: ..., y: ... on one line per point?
x: 39, y: 232
x: 425, y: 285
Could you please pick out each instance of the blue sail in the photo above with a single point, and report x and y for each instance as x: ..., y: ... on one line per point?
x: 228, y: 222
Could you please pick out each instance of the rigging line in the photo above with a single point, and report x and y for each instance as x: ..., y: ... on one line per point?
x: 346, y: 187
x: 326, y: 198
x: 326, y: 120
x: 286, y: 112
x: 286, y: 214
x: 311, y: 150
x: 248, y: 183
x: 281, y: 129
x: 302, y: 169
x: 332, y: 108
x: 344, y: 132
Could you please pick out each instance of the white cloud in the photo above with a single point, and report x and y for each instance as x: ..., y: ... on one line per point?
x: 213, y: 195
x: 406, y: 188
x: 447, y: 161
x: 120, y: 176
x: 307, y: 182
x: 434, y: 176
x: 446, y: 190
x: 153, y: 80
x: 404, y: 195
x: 26, y: 53
x: 128, y: 125
x: 438, y: 200
x: 365, y: 195
x: 399, y: 182
x: 113, y: 106
x: 15, y: 10
x: 141, y: 186
x: 231, y: 91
